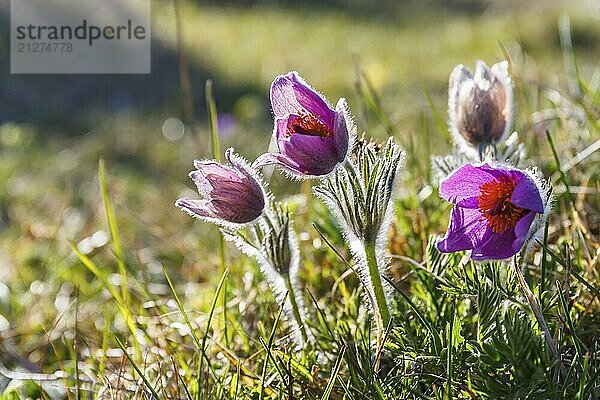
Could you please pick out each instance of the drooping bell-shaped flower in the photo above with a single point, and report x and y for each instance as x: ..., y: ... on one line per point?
x: 230, y: 194
x: 480, y: 105
x: 494, y: 209
x: 312, y: 137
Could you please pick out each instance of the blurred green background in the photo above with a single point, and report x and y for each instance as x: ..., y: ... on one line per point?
x: 54, y: 129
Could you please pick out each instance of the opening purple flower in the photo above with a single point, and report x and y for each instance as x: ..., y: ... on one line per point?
x: 312, y: 137
x: 230, y: 194
x: 480, y: 106
x: 494, y: 209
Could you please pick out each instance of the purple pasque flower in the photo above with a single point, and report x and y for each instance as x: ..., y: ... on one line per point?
x: 494, y: 208
x: 480, y: 105
x: 312, y: 137
x: 231, y: 194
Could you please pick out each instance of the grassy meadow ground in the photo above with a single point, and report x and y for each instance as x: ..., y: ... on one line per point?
x: 461, y: 330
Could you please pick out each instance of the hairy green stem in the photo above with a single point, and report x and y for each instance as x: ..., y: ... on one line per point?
x: 381, y: 305
x: 295, y: 310
x: 537, y: 312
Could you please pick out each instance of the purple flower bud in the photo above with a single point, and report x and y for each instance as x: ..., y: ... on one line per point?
x: 494, y: 208
x: 312, y: 138
x: 230, y: 194
x: 480, y: 106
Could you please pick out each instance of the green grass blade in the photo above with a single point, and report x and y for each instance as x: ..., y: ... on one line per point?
x: 105, y: 338
x: 210, y: 315
x: 211, y: 106
x: 303, y: 371
x: 182, y: 310
x: 137, y: 369
x: 435, y: 338
x: 93, y: 268
x: 74, y: 347
x: 268, y: 350
x: 585, y: 283
x: 439, y: 120
x: 195, y: 337
x: 114, y: 231
x: 322, y: 315
x: 334, y: 373
x: 450, y: 347
x: 575, y: 274
x: 584, y: 378
x: 568, y: 320
x: 563, y: 177
x: 185, y: 386
x: 237, y: 380
x: 273, y: 359
x: 371, y: 101
x: 566, y: 44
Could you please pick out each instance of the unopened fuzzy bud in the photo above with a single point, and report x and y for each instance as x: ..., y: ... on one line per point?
x: 480, y: 105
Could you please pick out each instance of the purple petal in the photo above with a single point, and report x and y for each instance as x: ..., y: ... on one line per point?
x: 472, y: 202
x: 312, y: 154
x: 521, y: 230
x: 527, y: 195
x: 341, y: 135
x: 301, y: 154
x: 467, y: 229
x: 507, y: 244
x: 266, y: 159
x: 196, y: 208
x: 464, y: 183
x: 202, y: 184
x: 242, y: 194
x: 290, y: 94
x: 236, y: 210
x: 277, y: 159
x: 211, y: 174
x: 234, y: 202
x: 500, y: 172
x: 281, y: 127
x: 496, y: 247
x: 214, y: 168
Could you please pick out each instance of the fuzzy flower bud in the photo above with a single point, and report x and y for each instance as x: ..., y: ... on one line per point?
x: 480, y: 106
x: 361, y: 197
x: 230, y: 193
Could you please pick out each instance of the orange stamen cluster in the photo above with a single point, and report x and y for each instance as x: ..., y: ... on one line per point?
x: 495, y: 205
x: 309, y: 124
